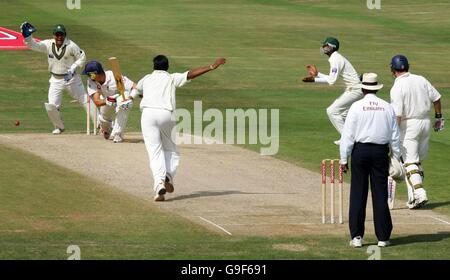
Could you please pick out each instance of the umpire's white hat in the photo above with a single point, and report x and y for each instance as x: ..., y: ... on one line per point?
x: 370, y: 82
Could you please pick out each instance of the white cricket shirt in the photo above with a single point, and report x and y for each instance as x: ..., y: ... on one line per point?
x: 69, y: 56
x: 109, y: 87
x: 159, y: 88
x: 340, y: 66
x: 370, y: 120
x: 412, y: 95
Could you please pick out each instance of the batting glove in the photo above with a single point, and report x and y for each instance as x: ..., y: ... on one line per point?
x: 438, y: 123
x: 126, y: 105
x: 27, y: 29
x: 111, y: 100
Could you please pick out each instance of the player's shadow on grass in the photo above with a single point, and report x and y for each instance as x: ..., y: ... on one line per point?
x: 213, y: 193
x: 435, y: 205
x: 420, y: 238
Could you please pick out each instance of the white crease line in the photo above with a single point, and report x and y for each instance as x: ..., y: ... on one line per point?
x: 4, y: 136
x: 440, y: 220
x: 216, y: 225
x: 317, y: 223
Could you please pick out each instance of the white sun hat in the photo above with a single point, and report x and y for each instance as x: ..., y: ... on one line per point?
x: 370, y: 82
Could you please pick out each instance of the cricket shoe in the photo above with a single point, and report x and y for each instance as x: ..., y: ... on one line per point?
x: 383, y: 243
x: 118, y: 138
x: 391, y: 192
x: 356, y: 242
x: 168, y: 184
x: 160, y: 192
x: 57, y: 131
x: 420, y: 198
x: 337, y: 142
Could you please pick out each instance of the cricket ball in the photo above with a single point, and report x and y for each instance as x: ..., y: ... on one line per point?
x: 17, y: 123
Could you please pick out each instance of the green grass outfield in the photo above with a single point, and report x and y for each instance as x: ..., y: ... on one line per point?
x: 267, y: 44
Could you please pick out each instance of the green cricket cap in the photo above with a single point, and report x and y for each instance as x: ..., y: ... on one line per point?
x: 59, y: 28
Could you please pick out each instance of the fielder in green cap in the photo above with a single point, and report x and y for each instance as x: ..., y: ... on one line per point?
x: 339, y: 66
x: 59, y: 28
x: 64, y: 59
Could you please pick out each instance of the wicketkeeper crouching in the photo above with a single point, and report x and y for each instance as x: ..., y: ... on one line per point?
x: 64, y: 58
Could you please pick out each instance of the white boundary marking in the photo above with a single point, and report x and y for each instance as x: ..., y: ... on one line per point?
x: 216, y: 225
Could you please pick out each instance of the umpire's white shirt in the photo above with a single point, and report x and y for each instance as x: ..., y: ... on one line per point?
x: 370, y: 120
x: 68, y: 57
x: 412, y: 95
x: 340, y: 66
x: 158, y: 89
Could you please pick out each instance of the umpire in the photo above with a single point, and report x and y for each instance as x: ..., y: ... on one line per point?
x: 369, y: 130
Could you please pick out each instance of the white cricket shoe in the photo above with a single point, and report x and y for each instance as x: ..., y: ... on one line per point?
x: 383, y: 243
x: 337, y: 142
x: 420, y: 198
x: 118, y: 138
x: 160, y: 192
x: 391, y: 192
x: 356, y: 242
x: 57, y: 131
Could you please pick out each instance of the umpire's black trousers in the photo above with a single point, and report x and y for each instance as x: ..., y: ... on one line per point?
x: 370, y: 161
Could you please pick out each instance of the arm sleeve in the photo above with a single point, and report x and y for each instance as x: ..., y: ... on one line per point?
x: 128, y: 84
x: 395, y: 139
x: 80, y: 57
x: 140, y: 85
x: 129, y: 87
x: 432, y: 92
x: 180, y: 79
x: 91, y: 87
x: 348, y: 137
x: 321, y: 78
x: 335, y: 70
x: 396, y: 101
x: 36, y: 46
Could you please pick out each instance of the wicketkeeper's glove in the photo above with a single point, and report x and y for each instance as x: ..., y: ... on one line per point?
x: 69, y: 75
x: 438, y: 123
x: 27, y: 29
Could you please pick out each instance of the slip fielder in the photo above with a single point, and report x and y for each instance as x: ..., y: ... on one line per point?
x: 64, y: 58
x: 339, y: 66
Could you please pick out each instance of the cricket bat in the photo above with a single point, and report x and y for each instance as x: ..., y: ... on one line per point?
x: 115, y: 68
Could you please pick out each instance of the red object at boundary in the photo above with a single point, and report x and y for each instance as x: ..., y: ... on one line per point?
x: 12, y: 40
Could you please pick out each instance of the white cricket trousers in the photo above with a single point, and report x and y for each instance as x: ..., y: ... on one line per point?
x: 75, y: 89
x: 414, y: 137
x: 158, y: 130
x: 120, y: 117
x: 337, y: 112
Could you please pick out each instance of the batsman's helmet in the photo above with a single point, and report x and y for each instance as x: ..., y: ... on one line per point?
x: 59, y: 28
x: 93, y: 68
x: 332, y: 42
x: 399, y: 63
